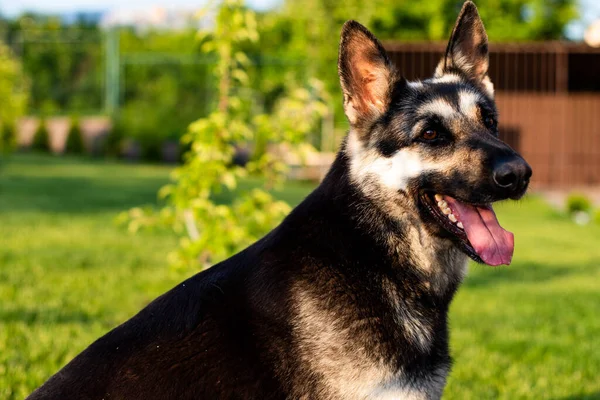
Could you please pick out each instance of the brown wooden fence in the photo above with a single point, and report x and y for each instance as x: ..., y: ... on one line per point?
x: 548, y: 95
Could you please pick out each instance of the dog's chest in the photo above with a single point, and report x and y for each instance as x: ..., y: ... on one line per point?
x: 427, y: 387
x: 355, y: 359
x: 399, y: 388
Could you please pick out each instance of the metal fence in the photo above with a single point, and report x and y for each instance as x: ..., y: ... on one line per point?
x: 548, y: 95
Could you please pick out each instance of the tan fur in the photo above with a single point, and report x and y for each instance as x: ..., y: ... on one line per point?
x: 344, y: 370
x: 391, y: 173
x: 488, y: 86
x: 445, y: 78
x: 426, y: 250
x: 385, y: 180
x: 388, y: 175
x: 468, y: 103
x: 331, y: 350
x: 348, y: 371
x: 440, y: 108
x: 464, y: 49
x: 366, y: 84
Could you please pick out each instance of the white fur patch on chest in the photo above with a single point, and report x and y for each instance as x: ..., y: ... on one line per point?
x: 330, y: 349
x: 344, y: 367
x: 397, y: 394
x: 427, y: 388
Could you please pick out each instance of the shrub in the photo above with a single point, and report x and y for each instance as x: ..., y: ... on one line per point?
x: 114, y: 140
x: 597, y: 216
x: 577, y: 202
x: 211, y: 231
x: 14, y: 93
x: 157, y: 116
x: 8, y: 137
x: 41, y: 138
x: 75, y: 138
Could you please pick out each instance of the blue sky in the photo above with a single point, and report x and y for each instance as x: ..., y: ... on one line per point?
x: 590, y: 8
x: 14, y: 7
x: 590, y: 11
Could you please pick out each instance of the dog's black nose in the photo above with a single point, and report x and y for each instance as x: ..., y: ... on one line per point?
x: 512, y: 176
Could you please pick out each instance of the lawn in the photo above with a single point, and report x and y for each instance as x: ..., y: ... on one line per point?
x: 68, y: 274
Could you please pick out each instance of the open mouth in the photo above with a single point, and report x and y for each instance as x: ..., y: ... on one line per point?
x: 474, y: 227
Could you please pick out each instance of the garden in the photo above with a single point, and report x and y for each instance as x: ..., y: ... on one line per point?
x: 71, y: 272
x: 177, y: 148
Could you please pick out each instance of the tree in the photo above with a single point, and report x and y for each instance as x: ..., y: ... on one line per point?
x: 505, y: 20
x: 212, y: 231
x: 166, y: 85
x: 63, y: 60
x: 74, y: 144
x: 41, y: 138
x: 309, y: 29
x: 13, y: 95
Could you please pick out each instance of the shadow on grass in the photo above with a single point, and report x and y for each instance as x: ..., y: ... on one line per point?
x: 77, y: 194
x: 525, y: 272
x: 45, y: 316
x: 78, y: 185
x: 38, y: 159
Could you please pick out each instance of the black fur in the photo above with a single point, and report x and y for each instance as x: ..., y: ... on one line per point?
x: 227, y: 333
x: 357, y: 279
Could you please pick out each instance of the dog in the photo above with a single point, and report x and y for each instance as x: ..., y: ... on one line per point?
x: 348, y: 297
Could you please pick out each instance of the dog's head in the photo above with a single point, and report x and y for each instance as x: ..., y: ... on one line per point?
x: 432, y: 146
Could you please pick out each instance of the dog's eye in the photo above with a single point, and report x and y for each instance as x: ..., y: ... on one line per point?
x: 490, y: 122
x: 430, y: 134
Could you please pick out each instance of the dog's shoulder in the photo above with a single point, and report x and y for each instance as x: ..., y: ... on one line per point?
x: 195, y: 341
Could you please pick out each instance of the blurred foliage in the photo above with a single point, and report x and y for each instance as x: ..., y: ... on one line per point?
x: 166, y: 81
x: 597, y: 216
x: 161, y: 109
x: 74, y: 143
x: 8, y: 137
x: 578, y: 202
x: 163, y: 85
x: 310, y: 29
x: 166, y: 86
x: 64, y: 61
x: 41, y: 138
x: 528, y: 331
x: 13, y: 96
x: 211, y: 231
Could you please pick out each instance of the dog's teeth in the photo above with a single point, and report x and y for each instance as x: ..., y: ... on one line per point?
x: 442, y: 204
x: 439, y: 197
x: 447, y: 210
x: 452, y: 218
x: 460, y: 225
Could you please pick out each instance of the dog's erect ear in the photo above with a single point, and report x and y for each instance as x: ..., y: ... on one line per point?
x: 365, y: 74
x: 467, y: 51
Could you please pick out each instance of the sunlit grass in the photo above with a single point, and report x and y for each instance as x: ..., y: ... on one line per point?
x: 68, y: 274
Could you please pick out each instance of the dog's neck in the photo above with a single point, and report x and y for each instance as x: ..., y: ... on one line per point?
x: 385, y: 288
x: 394, y: 223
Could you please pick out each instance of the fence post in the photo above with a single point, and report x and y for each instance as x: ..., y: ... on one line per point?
x: 112, y: 65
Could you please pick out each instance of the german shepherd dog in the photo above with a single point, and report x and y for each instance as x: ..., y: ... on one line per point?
x: 348, y: 298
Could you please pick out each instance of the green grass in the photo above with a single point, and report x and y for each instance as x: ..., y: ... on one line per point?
x: 68, y: 274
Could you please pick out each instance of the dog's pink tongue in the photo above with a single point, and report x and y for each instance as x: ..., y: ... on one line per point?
x: 491, y: 242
